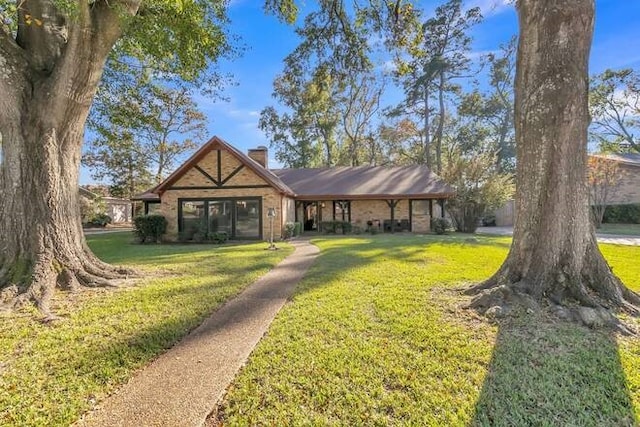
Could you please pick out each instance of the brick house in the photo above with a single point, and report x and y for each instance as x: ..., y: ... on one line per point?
x: 627, y: 189
x: 223, y: 189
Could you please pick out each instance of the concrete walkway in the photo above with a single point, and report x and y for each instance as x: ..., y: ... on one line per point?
x: 184, y: 385
x: 602, y: 238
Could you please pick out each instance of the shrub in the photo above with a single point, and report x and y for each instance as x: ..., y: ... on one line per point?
x: 149, y: 227
x: 297, y: 228
x: 100, y: 220
x: 218, y: 237
x: 289, y: 230
x: 334, y: 227
x: 622, y: 214
x: 439, y: 225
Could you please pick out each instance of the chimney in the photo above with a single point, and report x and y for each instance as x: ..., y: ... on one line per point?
x: 260, y: 155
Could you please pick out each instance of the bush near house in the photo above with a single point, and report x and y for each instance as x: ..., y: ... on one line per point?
x: 622, y: 214
x: 149, y: 228
x: 439, y: 225
x: 335, y: 227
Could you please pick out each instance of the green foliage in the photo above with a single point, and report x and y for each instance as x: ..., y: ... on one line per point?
x: 614, y: 103
x: 53, y: 373
x: 479, y: 188
x: 141, y: 129
x: 149, y: 228
x: 622, y: 214
x: 335, y: 227
x: 329, y: 91
x: 486, y: 118
x: 439, y: 225
x: 99, y: 220
x: 292, y: 229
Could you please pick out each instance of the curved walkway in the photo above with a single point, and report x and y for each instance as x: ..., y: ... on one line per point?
x: 602, y: 238
x: 183, y: 385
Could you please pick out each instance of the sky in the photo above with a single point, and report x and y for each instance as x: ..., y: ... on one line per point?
x: 268, y: 41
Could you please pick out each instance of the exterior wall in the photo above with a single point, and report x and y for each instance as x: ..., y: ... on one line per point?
x: 288, y: 210
x: 628, y: 188
x: 506, y: 215
x: 420, y: 218
x: 245, y: 177
x: 377, y: 210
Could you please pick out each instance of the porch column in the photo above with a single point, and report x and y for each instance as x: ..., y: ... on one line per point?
x: 392, y: 206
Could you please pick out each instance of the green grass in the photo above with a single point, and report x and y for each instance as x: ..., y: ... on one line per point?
x: 376, y: 335
x: 50, y: 375
x: 621, y: 229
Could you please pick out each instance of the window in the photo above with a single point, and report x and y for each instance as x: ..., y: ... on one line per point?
x: 420, y: 207
x: 239, y: 218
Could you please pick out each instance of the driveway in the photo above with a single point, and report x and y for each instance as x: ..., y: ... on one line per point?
x: 602, y: 238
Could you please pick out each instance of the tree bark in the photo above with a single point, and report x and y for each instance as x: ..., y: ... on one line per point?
x: 554, y: 258
x: 48, y: 85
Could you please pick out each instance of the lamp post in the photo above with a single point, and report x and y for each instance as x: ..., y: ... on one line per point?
x: 271, y: 214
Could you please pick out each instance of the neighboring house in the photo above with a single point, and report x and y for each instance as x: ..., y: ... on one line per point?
x: 627, y: 190
x: 118, y: 209
x: 222, y: 189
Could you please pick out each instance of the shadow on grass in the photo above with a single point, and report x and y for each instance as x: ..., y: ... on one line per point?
x: 554, y: 374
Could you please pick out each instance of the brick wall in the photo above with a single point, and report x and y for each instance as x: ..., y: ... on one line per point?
x: 628, y: 188
x: 193, y: 178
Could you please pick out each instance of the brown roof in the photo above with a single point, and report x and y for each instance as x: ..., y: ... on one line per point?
x: 217, y: 143
x: 365, y: 182
x: 632, y: 159
x: 147, y: 196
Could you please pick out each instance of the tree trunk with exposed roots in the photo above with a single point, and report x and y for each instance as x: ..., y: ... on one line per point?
x: 48, y: 79
x: 554, y: 259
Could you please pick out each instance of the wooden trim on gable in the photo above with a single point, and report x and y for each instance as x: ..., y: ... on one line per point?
x: 217, y: 187
x: 206, y: 175
x: 232, y: 174
x: 217, y: 144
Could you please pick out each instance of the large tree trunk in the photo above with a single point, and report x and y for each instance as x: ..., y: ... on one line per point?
x: 47, y: 89
x: 554, y: 259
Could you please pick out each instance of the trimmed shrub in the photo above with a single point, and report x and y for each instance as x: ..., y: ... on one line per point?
x: 297, y: 228
x: 439, y: 225
x: 289, y: 230
x: 622, y: 214
x: 149, y: 228
x: 99, y: 220
x: 334, y: 227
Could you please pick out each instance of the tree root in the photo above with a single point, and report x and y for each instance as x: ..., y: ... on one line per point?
x: 591, y: 303
x: 47, y: 273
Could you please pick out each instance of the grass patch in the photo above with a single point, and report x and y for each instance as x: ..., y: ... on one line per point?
x: 375, y: 336
x: 622, y: 229
x: 50, y: 375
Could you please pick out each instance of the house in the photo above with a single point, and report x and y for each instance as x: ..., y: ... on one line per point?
x: 224, y: 190
x: 627, y: 189
x: 119, y: 210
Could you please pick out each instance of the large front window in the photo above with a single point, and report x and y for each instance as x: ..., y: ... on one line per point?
x: 238, y: 218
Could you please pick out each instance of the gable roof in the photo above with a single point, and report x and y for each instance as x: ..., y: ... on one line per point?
x: 631, y: 159
x: 365, y: 182
x: 217, y: 143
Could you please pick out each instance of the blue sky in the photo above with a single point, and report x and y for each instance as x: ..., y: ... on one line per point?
x: 616, y: 45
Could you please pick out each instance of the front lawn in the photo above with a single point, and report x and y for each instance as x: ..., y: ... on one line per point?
x: 621, y: 229
x: 376, y: 335
x: 50, y: 375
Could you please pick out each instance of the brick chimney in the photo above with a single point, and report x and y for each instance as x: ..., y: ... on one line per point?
x: 260, y: 155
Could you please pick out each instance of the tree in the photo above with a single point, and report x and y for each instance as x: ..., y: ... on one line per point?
x: 52, y: 56
x: 437, y: 55
x: 554, y: 258
x: 491, y: 114
x: 479, y: 186
x: 614, y: 102
x: 147, y: 125
x: 603, y: 177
